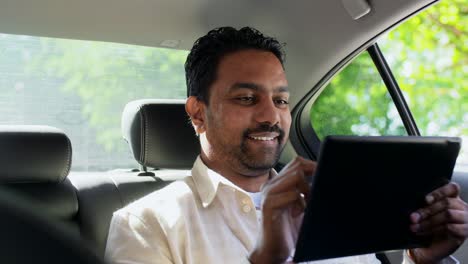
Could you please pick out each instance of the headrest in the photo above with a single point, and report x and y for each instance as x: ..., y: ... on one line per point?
x: 33, y: 154
x: 160, y: 134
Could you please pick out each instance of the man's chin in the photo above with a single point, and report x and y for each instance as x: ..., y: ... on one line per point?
x: 260, y: 163
x: 259, y: 159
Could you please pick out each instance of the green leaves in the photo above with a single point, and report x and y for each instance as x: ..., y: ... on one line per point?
x: 106, y: 76
x: 429, y: 56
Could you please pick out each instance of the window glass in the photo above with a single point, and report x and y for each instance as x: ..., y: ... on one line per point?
x: 82, y: 87
x: 356, y: 102
x: 428, y: 55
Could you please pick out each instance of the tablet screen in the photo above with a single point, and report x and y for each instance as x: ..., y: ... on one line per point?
x: 365, y: 189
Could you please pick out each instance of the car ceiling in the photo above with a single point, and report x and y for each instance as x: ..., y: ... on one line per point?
x: 318, y: 34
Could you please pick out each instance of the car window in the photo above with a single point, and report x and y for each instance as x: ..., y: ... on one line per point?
x: 82, y: 87
x: 356, y: 102
x: 428, y: 56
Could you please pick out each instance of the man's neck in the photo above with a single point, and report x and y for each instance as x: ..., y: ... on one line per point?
x: 249, y: 182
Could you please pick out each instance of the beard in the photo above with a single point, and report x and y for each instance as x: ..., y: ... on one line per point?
x: 243, y: 157
x: 253, y: 163
x: 264, y: 158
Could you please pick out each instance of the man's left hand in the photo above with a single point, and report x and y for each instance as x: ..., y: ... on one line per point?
x: 446, y: 219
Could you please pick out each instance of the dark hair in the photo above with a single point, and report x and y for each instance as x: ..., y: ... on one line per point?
x: 202, y: 61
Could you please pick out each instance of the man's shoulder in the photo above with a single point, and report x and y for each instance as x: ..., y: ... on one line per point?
x: 178, y: 195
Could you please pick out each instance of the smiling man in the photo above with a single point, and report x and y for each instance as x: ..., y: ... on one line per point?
x: 235, y: 208
x: 245, y: 121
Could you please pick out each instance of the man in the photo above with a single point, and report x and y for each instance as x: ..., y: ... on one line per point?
x: 235, y: 208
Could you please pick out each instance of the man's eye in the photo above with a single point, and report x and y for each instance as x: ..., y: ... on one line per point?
x: 281, y: 102
x: 245, y: 99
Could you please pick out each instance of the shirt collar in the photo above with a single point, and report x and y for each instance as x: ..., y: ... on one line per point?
x: 207, y: 182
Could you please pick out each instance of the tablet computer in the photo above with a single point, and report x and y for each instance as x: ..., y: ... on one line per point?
x: 365, y: 189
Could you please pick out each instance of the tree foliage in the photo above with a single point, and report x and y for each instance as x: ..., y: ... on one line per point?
x: 107, y: 76
x: 429, y: 58
x: 428, y: 54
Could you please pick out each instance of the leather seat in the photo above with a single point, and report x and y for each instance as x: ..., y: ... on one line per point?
x: 34, y: 164
x: 160, y: 134
x: 28, y: 237
x: 162, y: 141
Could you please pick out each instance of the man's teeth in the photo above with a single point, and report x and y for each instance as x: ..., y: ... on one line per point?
x: 262, y: 138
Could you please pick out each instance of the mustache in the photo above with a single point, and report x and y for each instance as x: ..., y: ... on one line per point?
x: 265, y: 128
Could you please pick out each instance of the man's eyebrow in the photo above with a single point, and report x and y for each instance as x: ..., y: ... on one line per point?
x: 282, y: 89
x: 244, y: 85
x: 256, y: 87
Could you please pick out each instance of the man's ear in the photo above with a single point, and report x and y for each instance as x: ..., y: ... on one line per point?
x: 196, y: 111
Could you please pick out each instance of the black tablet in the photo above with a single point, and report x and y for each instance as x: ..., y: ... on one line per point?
x: 365, y: 189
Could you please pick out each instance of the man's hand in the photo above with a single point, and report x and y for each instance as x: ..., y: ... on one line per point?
x: 283, y: 202
x: 446, y: 218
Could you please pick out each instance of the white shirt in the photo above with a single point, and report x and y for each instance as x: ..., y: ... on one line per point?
x: 203, y: 219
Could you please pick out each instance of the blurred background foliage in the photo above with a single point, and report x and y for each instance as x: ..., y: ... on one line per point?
x: 106, y: 76
x: 429, y: 57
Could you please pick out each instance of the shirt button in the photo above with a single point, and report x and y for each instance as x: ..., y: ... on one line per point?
x: 246, y: 208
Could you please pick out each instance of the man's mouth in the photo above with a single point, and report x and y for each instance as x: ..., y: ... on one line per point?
x: 263, y: 136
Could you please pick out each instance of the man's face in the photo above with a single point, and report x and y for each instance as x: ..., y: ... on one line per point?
x: 248, y: 116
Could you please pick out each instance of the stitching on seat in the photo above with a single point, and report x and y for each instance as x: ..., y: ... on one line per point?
x: 66, y: 169
x: 118, y: 190
x: 141, y: 155
x: 145, y: 120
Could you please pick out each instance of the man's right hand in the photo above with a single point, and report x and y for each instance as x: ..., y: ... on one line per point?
x: 283, y: 205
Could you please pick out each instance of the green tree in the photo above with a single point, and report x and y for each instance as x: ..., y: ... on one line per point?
x: 428, y: 54
x: 429, y: 57
x: 356, y: 102
x: 107, y: 75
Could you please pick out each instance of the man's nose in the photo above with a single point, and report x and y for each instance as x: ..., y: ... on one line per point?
x: 267, y: 112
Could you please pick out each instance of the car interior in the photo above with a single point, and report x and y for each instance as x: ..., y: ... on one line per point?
x: 36, y: 175
x: 83, y: 204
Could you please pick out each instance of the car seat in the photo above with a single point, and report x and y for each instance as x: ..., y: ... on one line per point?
x: 34, y: 164
x: 163, y: 143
